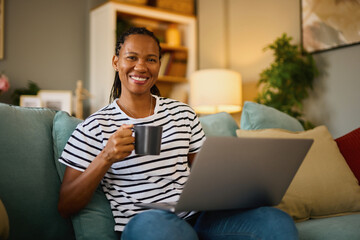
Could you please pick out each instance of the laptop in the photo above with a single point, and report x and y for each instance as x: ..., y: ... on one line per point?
x: 239, y: 173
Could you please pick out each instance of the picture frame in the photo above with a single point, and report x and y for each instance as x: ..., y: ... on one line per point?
x: 329, y: 24
x: 2, y: 19
x: 58, y: 100
x: 30, y: 101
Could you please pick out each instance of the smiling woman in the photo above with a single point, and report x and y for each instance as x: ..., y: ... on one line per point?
x: 101, y: 151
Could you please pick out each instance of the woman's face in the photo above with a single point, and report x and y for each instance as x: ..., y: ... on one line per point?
x: 138, y: 64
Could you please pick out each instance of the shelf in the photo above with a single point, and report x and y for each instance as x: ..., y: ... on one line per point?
x: 172, y: 79
x: 166, y: 47
x: 105, y: 22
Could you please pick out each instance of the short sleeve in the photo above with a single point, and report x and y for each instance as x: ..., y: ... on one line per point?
x: 197, y: 135
x: 82, y: 147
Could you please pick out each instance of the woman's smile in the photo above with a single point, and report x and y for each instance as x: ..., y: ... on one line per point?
x: 139, y: 79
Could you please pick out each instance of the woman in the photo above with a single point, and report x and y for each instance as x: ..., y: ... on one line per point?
x: 101, y: 151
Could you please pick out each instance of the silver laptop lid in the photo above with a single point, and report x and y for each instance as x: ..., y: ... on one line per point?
x: 232, y: 172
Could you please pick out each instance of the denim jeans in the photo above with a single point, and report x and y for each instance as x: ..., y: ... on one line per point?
x: 260, y: 223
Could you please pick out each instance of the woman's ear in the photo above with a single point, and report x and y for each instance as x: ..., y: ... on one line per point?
x: 115, y: 60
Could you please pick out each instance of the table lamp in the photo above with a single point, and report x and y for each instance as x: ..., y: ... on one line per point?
x: 215, y: 90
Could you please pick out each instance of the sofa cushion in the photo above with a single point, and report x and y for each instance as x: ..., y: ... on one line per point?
x: 63, y: 127
x: 219, y: 124
x: 95, y: 221
x: 324, y: 184
x: 258, y: 116
x: 29, y: 185
x: 334, y: 228
x: 349, y: 146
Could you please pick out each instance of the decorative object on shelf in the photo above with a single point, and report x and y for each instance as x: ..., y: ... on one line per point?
x: 57, y: 100
x: 30, y: 101
x: 173, y: 37
x: 285, y: 84
x: 32, y: 89
x: 216, y: 90
x: 329, y: 24
x: 4, y: 83
x: 81, y: 94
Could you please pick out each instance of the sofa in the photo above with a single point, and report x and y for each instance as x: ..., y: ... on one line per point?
x: 32, y: 139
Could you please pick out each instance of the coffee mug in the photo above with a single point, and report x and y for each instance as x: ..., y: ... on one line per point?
x: 147, y: 139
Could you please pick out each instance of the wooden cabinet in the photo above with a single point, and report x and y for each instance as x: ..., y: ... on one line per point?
x: 108, y: 19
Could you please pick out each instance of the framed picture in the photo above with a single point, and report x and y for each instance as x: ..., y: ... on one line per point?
x: 329, y: 24
x: 30, y: 101
x: 2, y: 10
x: 56, y: 100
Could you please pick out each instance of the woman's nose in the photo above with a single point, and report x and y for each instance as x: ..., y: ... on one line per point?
x: 140, y: 65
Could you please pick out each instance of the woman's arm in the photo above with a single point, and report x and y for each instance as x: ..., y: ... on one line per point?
x: 78, y: 187
x: 191, y: 158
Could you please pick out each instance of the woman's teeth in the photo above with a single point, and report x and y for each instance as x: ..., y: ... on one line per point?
x: 139, y: 79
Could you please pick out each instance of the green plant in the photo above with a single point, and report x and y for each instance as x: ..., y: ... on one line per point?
x: 32, y: 89
x: 285, y: 84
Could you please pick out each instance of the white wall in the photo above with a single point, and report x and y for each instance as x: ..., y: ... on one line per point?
x: 255, y: 24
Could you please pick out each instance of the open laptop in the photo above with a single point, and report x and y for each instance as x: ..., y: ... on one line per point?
x: 239, y: 173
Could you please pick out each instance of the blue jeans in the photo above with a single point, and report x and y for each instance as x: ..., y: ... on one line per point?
x: 260, y: 223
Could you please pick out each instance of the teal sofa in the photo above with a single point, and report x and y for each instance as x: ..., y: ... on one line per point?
x: 31, y: 139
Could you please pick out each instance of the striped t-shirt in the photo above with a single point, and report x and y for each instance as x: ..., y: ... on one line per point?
x: 138, y: 178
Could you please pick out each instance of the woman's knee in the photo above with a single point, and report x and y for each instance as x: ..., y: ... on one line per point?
x: 277, y: 222
x: 259, y: 223
x: 158, y: 224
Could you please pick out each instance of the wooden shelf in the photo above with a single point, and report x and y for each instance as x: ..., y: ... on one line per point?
x: 104, y: 24
x: 172, y: 79
x: 166, y: 47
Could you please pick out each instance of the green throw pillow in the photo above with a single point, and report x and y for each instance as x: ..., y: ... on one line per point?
x: 95, y: 221
x: 219, y: 124
x: 257, y: 116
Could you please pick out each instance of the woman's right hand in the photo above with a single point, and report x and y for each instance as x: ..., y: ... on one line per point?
x: 120, y: 144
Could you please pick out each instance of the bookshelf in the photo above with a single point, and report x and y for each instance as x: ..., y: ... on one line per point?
x: 112, y: 17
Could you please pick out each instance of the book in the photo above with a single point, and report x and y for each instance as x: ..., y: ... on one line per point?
x: 178, y: 64
x: 164, y: 63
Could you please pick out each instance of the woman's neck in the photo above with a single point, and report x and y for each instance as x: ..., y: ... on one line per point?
x: 137, y: 107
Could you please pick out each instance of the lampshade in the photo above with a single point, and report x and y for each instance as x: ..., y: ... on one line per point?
x: 215, y: 90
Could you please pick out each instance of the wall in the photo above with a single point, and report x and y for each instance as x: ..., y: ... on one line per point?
x: 46, y: 41
x: 252, y: 25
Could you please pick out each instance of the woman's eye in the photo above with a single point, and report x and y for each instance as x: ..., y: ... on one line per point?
x: 152, y: 60
x: 131, y: 57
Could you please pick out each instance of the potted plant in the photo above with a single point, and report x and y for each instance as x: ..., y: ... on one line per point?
x: 286, y: 83
x: 32, y: 89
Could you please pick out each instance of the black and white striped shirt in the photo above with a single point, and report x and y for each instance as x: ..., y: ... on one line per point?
x: 139, y: 178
